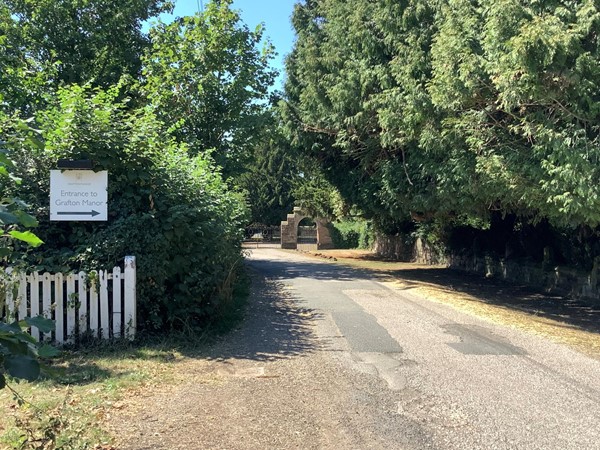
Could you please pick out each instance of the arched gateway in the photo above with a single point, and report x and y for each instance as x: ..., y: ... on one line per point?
x: 289, y: 231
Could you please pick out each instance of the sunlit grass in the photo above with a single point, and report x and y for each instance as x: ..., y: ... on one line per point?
x: 92, y: 383
x: 88, y: 387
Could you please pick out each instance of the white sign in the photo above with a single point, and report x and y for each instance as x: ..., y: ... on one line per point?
x: 77, y: 195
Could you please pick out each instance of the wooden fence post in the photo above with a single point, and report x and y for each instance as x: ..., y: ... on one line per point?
x: 116, y: 302
x: 130, y: 318
x: 34, y: 306
x: 59, y: 308
x: 94, y: 319
x: 10, y: 300
x: 47, y: 299
x: 82, y: 297
x: 22, y: 300
x: 104, y: 319
x: 71, y: 306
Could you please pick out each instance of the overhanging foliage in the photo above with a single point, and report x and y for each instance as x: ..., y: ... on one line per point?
x: 452, y: 107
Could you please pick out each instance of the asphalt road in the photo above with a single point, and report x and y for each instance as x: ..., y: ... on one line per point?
x: 421, y: 374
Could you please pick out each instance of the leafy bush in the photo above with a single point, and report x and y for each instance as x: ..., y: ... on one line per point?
x: 19, y: 351
x: 169, y: 209
x: 352, y: 234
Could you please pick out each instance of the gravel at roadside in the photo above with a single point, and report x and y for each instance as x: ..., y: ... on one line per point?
x: 271, y: 384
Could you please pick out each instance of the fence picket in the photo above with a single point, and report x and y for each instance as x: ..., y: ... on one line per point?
x: 34, y: 307
x: 10, y: 298
x: 83, y: 302
x: 59, y: 308
x: 94, y: 322
x: 47, y: 299
x: 22, y: 297
x: 116, y: 303
x: 104, y: 320
x: 107, y: 303
x: 130, y: 318
x: 71, y: 305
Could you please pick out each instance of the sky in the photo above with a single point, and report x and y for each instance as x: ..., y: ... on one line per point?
x: 275, y: 14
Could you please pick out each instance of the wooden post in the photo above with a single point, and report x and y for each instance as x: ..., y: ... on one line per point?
x: 94, y: 322
x: 130, y: 318
x: 116, y: 302
x: 104, y: 320
x: 83, y: 308
x: 71, y: 306
x: 10, y: 300
x: 47, y: 299
x: 35, y: 300
x: 59, y: 308
x: 22, y: 299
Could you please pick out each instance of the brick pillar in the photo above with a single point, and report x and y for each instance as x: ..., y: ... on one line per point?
x: 324, y: 240
x: 289, y: 232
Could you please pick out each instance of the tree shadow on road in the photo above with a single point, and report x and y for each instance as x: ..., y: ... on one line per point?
x: 571, y: 313
x: 275, y: 326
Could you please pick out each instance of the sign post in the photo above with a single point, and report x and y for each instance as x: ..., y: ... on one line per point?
x: 78, y: 195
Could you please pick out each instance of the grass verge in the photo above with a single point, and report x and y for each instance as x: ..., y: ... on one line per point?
x: 72, y: 410
x: 68, y: 410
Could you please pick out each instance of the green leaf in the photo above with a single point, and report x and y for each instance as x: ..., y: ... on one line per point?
x: 27, y: 236
x: 7, y: 218
x: 9, y: 328
x: 47, y: 351
x: 2, y: 381
x: 33, y: 140
x: 41, y: 323
x: 5, y: 160
x: 24, y: 367
x: 17, y: 343
x: 26, y: 220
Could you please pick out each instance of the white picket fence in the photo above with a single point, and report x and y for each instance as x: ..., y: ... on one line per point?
x: 100, y: 303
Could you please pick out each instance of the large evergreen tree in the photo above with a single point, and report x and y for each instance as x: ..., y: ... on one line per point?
x: 269, y: 175
x: 451, y: 107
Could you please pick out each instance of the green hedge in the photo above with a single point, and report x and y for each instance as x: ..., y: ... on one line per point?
x: 352, y: 234
x: 172, y: 211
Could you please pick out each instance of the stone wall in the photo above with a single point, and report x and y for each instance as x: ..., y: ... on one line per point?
x: 402, y: 248
x: 563, y: 281
x: 559, y: 280
x: 395, y: 247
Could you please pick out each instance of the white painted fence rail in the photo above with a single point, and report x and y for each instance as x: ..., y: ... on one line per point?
x: 99, y: 303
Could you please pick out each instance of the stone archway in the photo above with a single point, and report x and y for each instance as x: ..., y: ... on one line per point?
x: 289, y: 231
